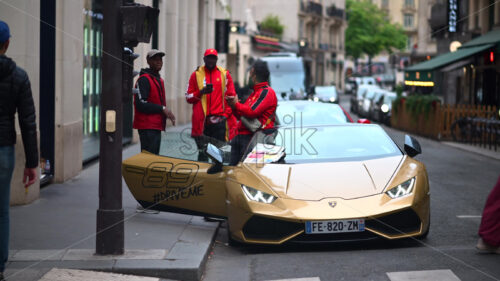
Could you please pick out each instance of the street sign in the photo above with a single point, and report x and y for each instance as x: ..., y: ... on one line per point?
x: 452, y: 15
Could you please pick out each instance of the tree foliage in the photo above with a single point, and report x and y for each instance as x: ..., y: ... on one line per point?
x: 272, y: 24
x: 369, y: 32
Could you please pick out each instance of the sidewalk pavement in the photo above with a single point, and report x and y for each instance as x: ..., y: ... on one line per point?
x: 475, y: 149
x: 58, y: 231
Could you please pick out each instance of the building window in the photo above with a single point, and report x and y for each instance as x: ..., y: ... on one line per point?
x: 385, y: 3
x: 409, y: 3
x: 409, y: 43
x: 408, y: 20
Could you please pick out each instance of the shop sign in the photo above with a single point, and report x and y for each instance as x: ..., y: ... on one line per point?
x: 452, y: 15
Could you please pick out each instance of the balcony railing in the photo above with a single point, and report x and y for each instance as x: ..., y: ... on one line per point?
x: 332, y: 11
x: 311, y: 7
x: 324, y: 46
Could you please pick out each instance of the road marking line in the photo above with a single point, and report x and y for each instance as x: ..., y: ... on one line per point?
x: 423, y: 275
x: 298, y: 279
x: 468, y: 217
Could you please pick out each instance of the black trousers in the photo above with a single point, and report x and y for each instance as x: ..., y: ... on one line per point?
x: 216, y: 131
x: 212, y: 133
x: 150, y: 140
x: 238, y: 148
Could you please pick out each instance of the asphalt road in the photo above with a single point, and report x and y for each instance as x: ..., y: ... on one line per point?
x: 460, y: 182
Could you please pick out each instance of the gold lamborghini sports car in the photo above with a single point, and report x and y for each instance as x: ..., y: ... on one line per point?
x: 308, y: 184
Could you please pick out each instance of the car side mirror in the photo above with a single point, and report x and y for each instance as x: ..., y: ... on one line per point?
x: 364, y: 121
x: 217, y: 157
x: 412, y: 147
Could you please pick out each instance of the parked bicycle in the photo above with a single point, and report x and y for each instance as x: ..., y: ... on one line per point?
x: 475, y: 130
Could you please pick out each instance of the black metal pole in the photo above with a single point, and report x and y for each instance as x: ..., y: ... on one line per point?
x: 110, y: 226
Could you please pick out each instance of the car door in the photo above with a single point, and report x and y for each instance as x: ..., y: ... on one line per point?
x: 176, y: 182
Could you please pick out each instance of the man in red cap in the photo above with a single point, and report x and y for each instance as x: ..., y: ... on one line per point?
x: 212, y: 117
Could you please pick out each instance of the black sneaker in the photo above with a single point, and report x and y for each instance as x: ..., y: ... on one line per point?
x: 1, y: 277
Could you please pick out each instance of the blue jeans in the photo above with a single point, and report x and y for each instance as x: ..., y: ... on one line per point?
x: 6, y: 168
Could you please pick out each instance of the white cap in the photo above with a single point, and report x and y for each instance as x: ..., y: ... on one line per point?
x: 153, y: 53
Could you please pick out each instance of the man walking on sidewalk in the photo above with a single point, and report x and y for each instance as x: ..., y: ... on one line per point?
x: 151, y: 112
x: 15, y: 95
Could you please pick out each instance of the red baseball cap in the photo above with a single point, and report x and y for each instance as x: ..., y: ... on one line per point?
x: 210, y: 52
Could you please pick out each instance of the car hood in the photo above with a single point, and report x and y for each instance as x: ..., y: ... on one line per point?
x: 315, y: 181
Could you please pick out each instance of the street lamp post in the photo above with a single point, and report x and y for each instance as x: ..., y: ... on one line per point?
x: 110, y: 215
x: 125, y: 25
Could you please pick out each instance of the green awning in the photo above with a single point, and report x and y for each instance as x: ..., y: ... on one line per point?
x: 448, y: 58
x: 492, y: 37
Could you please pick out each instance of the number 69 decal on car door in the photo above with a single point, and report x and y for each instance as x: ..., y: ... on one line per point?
x: 166, y: 174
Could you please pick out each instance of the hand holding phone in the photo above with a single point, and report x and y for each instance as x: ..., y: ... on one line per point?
x: 207, y: 89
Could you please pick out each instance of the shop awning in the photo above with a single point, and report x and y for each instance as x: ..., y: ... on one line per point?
x: 492, y: 37
x: 443, y: 60
x: 422, y: 74
x: 266, y: 43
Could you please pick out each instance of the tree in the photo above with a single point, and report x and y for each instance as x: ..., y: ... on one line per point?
x: 369, y: 32
x: 272, y: 24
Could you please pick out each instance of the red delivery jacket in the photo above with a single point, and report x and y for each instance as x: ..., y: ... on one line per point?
x: 156, y: 96
x: 261, y: 104
x: 213, y: 103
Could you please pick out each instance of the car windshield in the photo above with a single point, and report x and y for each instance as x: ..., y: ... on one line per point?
x: 350, y: 142
x: 284, y: 82
x: 305, y: 113
x: 388, y: 99
x: 370, y: 93
x: 377, y: 95
x: 325, y: 91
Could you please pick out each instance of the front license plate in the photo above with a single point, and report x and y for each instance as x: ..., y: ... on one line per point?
x: 335, y: 226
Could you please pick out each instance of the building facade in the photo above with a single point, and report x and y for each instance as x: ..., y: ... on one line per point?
x: 413, y: 16
x: 59, y: 44
x: 468, y: 69
x: 313, y: 30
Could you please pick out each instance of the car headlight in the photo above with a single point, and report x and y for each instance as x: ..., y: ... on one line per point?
x: 384, y: 108
x: 257, y: 195
x: 404, y: 189
x: 316, y: 99
x: 332, y: 99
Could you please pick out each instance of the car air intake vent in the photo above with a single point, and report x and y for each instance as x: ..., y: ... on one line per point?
x: 258, y: 227
x: 334, y: 237
x: 406, y: 221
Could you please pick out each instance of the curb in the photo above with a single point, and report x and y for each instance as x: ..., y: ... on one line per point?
x: 186, y: 260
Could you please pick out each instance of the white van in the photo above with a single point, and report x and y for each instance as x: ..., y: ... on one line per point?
x: 287, y: 75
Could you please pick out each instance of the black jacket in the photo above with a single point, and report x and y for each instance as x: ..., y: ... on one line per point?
x: 142, y: 103
x: 15, y: 95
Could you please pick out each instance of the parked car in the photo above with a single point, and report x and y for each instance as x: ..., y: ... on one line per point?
x: 364, y: 103
x: 376, y: 97
x: 357, y: 98
x: 326, y: 94
x: 368, y: 80
x: 351, y: 85
x: 383, y: 107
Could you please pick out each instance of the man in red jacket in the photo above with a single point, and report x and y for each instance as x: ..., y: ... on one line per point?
x: 208, y: 86
x: 150, y: 107
x: 260, y: 105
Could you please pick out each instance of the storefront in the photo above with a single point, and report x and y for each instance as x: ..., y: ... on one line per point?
x: 470, y: 75
x: 92, y: 82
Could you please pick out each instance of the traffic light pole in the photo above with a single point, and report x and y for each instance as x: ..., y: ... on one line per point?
x: 110, y: 215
